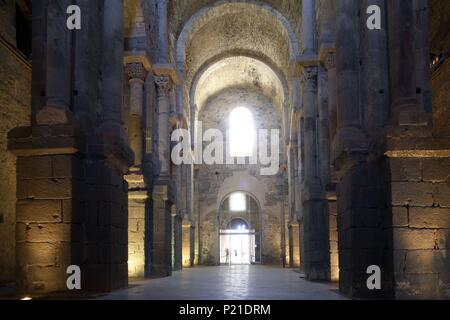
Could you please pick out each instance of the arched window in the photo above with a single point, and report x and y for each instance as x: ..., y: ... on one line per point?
x: 242, y: 133
x: 237, y: 224
x: 238, y: 202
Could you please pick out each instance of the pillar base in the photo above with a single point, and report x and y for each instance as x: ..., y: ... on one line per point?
x: 161, y: 221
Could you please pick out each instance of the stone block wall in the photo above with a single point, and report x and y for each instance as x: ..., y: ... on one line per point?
x: 15, y: 100
x: 136, y: 239
x: 8, y: 21
x: 70, y: 212
x: 334, y: 254
x: 421, y: 227
x: 48, y: 230
x: 362, y: 197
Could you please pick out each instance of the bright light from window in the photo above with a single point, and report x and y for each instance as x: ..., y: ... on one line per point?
x: 238, y: 202
x: 242, y: 133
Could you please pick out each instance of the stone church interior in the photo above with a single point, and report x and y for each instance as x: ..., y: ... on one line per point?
x: 315, y: 148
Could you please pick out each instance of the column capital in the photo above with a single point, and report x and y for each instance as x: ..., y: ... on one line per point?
x: 163, y: 85
x: 309, y: 77
x: 136, y: 71
x: 328, y: 58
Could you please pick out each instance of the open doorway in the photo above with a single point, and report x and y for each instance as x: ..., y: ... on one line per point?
x: 239, y: 232
x: 237, y: 243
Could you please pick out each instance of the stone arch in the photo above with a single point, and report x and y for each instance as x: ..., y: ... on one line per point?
x: 207, y: 13
x: 252, y: 55
x: 242, y: 183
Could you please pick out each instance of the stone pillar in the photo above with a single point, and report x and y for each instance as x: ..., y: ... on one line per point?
x: 294, y: 245
x: 361, y: 191
x: 405, y: 108
x: 188, y: 244
x: 323, y: 129
x: 316, y: 258
x: 111, y: 93
x: 109, y: 158
x: 163, y: 85
x: 48, y: 219
x: 350, y: 136
x: 163, y: 36
x: 137, y: 73
x: 164, y: 188
x: 137, y: 233
x: 52, y: 57
x: 375, y: 70
x: 300, y: 183
x: 161, y: 251
x: 422, y: 56
x: 334, y: 252
x: 72, y: 198
x: 308, y: 22
x: 330, y: 66
x: 177, y: 245
x: 315, y: 223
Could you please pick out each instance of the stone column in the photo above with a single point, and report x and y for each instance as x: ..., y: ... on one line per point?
x: 422, y: 55
x: 330, y: 66
x: 316, y: 259
x: 163, y: 85
x: 361, y: 190
x: 315, y: 223
x: 294, y: 236
x: 137, y: 73
x: 161, y: 250
x: 308, y: 30
x: 48, y: 216
x: 188, y: 244
x: 72, y: 198
x: 300, y: 183
x: 405, y: 108
x: 177, y: 247
x: 52, y: 57
x: 110, y: 157
x: 350, y: 137
x: 375, y: 70
x: 163, y: 36
x: 161, y: 259
x: 323, y: 129
x: 164, y: 189
x: 112, y: 71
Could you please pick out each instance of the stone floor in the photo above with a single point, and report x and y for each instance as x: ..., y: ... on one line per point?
x: 229, y: 283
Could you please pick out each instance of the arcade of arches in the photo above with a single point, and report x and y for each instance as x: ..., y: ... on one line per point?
x: 364, y: 146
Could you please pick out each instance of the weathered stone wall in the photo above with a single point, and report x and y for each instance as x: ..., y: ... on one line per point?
x: 363, y: 241
x: 439, y: 19
x: 334, y: 254
x: 8, y: 20
x: 136, y: 238
x: 421, y: 227
x: 214, y: 177
x: 15, y: 99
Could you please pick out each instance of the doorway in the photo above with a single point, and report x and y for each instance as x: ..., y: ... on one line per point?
x: 237, y: 243
x: 237, y: 247
x: 239, y: 232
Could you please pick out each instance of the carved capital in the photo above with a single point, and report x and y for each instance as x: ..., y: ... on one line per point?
x: 163, y: 86
x: 136, y: 71
x: 309, y: 77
